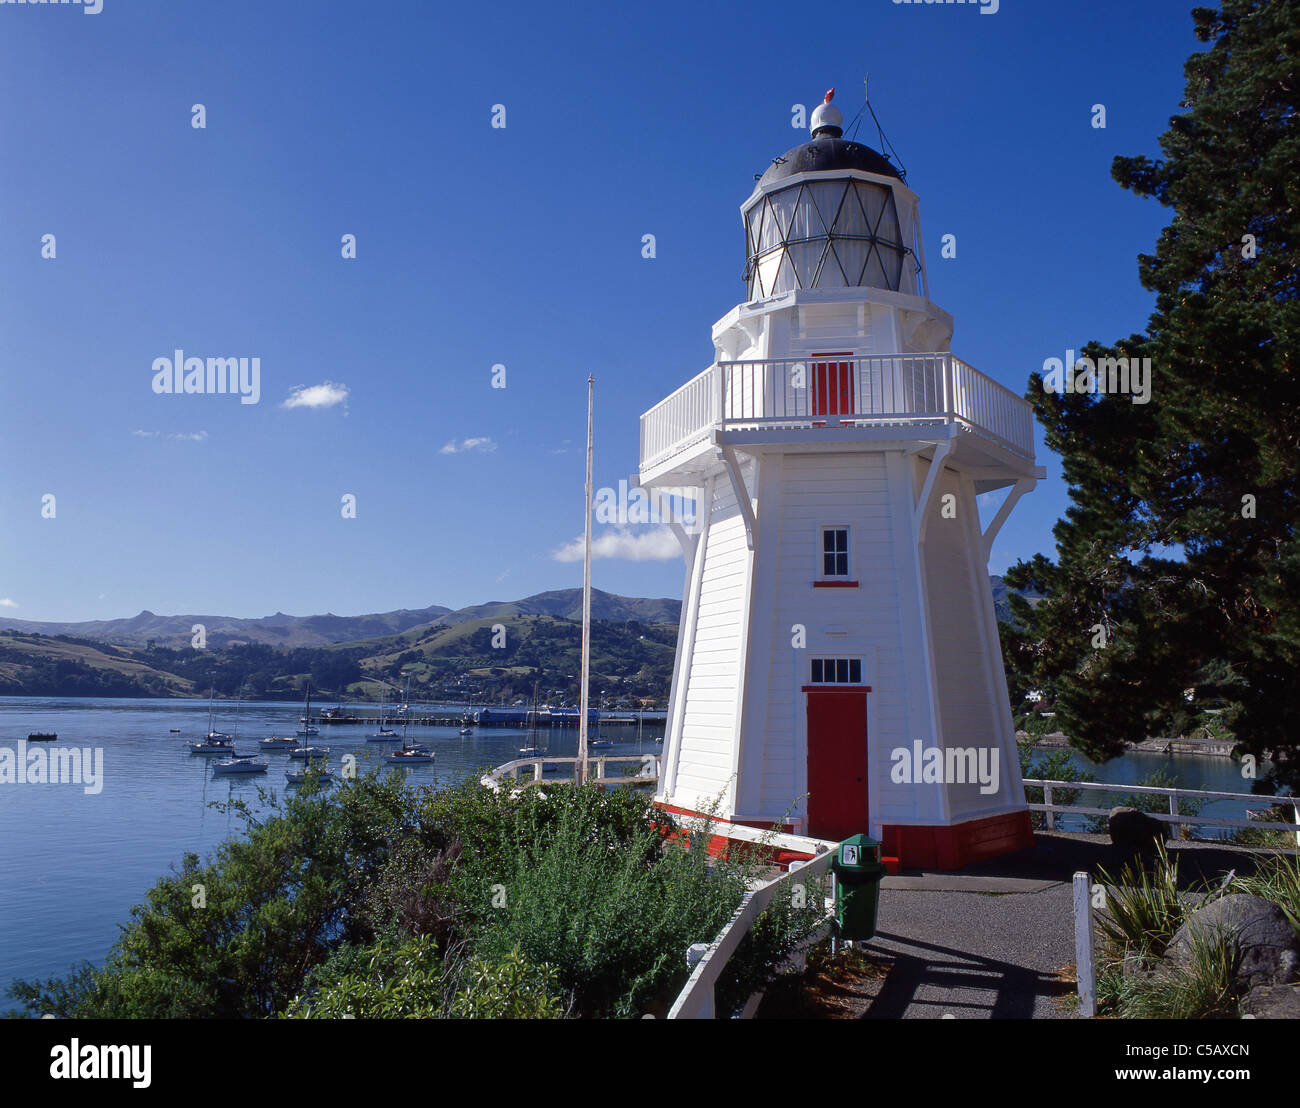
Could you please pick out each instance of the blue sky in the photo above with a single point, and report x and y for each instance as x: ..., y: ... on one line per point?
x: 479, y: 246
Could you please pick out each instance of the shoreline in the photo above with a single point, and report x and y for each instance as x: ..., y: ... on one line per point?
x: 1212, y: 748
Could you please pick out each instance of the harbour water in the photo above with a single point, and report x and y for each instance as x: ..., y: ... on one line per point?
x: 76, y: 861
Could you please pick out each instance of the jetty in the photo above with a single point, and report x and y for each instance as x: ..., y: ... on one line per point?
x: 495, y: 717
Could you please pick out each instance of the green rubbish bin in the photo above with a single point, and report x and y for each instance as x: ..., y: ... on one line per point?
x: 858, y: 870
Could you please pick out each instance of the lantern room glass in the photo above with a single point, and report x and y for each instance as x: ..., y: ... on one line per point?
x: 827, y: 234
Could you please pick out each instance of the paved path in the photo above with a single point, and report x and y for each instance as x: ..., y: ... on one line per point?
x: 997, y: 939
x: 995, y: 953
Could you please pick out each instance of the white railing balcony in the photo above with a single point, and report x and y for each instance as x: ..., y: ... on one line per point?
x: 893, y: 390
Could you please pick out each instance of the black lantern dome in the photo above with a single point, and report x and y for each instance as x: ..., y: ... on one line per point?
x: 835, y: 229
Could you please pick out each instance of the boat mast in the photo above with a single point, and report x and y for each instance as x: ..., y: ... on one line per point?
x: 586, y: 599
x: 306, y: 727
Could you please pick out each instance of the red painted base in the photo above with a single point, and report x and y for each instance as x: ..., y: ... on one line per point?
x: 959, y: 844
x: 719, y: 844
x: 904, y: 846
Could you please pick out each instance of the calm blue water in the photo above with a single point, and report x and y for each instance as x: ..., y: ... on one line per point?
x: 1193, y: 771
x: 75, y: 864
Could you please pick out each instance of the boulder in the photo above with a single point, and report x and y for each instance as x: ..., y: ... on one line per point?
x: 1129, y: 827
x: 1258, y: 929
x: 1272, y: 1002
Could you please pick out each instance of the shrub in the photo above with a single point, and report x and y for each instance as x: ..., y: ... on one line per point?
x: 1052, y: 765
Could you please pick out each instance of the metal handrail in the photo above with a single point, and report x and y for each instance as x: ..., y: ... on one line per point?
x: 493, y: 778
x: 915, y: 389
x: 1174, y: 795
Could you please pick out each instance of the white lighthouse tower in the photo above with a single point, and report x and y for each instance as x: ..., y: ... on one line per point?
x: 838, y: 667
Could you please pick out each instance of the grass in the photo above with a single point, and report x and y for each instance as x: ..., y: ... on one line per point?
x: 1276, y: 878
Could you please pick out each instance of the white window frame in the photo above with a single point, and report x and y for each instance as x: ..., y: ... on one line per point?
x: 848, y: 659
x: 847, y: 575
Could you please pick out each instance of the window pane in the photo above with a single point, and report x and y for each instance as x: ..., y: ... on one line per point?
x: 841, y: 565
x: 855, y: 671
x: 817, y: 671
x: 842, y: 670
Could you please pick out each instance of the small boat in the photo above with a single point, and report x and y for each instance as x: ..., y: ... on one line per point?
x: 42, y: 737
x: 597, y: 744
x: 305, y: 753
x: 174, y: 730
x: 278, y: 742
x: 240, y: 763
x: 322, y: 774
x: 305, y: 731
x: 411, y: 755
x: 385, y: 734
x: 467, y: 731
x: 214, y: 744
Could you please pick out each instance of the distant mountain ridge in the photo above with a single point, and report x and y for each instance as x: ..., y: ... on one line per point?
x: 330, y: 630
x: 327, y: 630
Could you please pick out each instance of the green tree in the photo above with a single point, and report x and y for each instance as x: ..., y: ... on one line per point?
x: 1179, y: 549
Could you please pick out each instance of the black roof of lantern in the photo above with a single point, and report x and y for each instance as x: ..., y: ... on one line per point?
x: 827, y: 153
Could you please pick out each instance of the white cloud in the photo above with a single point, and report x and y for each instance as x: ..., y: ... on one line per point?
x: 175, y: 436
x: 5, y: 602
x: 657, y: 545
x: 316, y: 396
x: 483, y: 445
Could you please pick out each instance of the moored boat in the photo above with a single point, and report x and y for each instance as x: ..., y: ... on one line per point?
x: 239, y: 763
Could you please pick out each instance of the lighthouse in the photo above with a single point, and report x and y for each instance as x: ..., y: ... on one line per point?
x: 838, y: 667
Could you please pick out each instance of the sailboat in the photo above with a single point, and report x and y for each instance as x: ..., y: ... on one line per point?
x: 305, y: 753
x: 385, y: 734
x: 411, y: 755
x: 320, y: 771
x: 532, y: 750
x: 239, y: 763
x: 216, y: 742
x: 278, y: 742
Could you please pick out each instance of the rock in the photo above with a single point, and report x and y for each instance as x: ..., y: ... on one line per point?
x: 1129, y: 827
x: 1258, y: 928
x: 1272, y: 1002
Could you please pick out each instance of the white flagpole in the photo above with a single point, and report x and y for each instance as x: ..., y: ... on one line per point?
x: 586, y: 599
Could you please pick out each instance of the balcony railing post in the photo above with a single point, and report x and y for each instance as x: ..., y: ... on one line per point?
x: 894, y: 388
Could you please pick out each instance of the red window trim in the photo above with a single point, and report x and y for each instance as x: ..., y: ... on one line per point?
x: 836, y: 688
x: 835, y: 584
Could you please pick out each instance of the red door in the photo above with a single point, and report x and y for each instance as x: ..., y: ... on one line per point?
x: 837, y: 762
x: 832, y: 386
